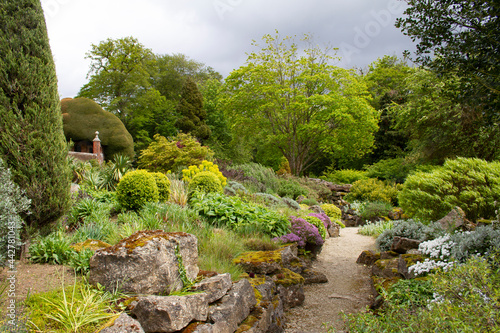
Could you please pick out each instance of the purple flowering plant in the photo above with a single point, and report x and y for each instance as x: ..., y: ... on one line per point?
x: 302, y: 232
x: 324, y: 218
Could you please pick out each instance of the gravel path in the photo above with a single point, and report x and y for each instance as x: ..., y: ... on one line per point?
x: 347, y: 290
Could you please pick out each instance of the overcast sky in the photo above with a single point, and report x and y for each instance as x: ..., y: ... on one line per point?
x: 219, y: 33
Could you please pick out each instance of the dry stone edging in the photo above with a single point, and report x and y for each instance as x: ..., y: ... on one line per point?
x: 217, y: 305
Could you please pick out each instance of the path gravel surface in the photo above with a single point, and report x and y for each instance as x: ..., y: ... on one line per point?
x: 348, y: 289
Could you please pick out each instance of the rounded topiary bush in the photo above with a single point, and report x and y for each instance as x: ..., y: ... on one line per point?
x: 333, y: 212
x: 136, y: 188
x: 206, y: 182
x: 373, y: 190
x: 163, y: 184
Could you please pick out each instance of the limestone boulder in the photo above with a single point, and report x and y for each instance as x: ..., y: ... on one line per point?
x: 215, y: 287
x: 227, y: 314
x: 269, y: 262
x: 454, y: 220
x: 368, y: 258
x: 124, y: 324
x: 146, y: 263
x: 333, y: 230
x: 170, y: 313
x: 311, y: 277
x: 290, y: 287
x: 403, y: 245
x: 386, y: 268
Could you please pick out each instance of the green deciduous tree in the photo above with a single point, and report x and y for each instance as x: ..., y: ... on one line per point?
x: 32, y: 142
x: 460, y: 37
x: 386, y: 81
x: 439, y: 125
x: 299, y: 102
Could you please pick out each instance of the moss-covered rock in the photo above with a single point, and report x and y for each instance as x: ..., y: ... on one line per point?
x: 82, y: 117
x: 90, y: 244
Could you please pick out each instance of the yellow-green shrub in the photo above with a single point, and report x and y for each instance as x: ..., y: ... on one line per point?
x: 136, y: 188
x: 373, y: 190
x: 332, y: 211
x: 163, y: 184
x: 193, y: 170
x: 206, y: 182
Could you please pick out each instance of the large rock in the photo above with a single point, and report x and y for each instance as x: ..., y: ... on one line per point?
x: 313, y: 277
x: 269, y: 262
x: 333, y: 230
x: 403, y: 245
x: 215, y: 287
x: 290, y: 287
x: 406, y: 261
x: 170, y: 313
x: 147, y: 262
x: 233, y: 308
x: 454, y: 220
x: 386, y: 268
x: 124, y: 324
x: 368, y: 258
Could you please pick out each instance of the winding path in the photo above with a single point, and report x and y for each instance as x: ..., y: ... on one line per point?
x: 348, y: 288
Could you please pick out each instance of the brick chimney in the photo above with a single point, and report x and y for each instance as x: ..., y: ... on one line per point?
x: 97, y: 149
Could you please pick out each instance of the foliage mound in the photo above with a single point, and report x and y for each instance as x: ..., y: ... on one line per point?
x: 373, y: 190
x: 302, y: 233
x: 333, y: 212
x: 205, y: 182
x: 236, y: 214
x: 163, y: 184
x: 164, y: 155
x: 408, y: 229
x: 136, y: 188
x: 82, y: 117
x: 469, y: 183
x: 190, y: 172
x: 346, y: 176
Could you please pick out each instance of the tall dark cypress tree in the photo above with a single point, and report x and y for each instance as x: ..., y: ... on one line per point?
x: 193, y: 115
x: 32, y: 141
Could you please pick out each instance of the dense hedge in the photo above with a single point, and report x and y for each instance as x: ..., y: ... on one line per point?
x: 82, y: 117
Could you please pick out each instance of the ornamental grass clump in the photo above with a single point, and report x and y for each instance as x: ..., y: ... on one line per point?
x: 303, y: 233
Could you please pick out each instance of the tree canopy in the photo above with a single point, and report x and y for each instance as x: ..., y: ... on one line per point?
x: 296, y: 100
x: 462, y: 38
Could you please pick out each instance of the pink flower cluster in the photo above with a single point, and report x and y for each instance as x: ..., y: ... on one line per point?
x: 324, y: 218
x: 302, y: 232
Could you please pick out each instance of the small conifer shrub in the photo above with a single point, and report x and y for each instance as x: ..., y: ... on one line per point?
x: 206, y: 182
x: 137, y: 188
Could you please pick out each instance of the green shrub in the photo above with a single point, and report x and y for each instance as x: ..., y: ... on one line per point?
x: 163, y: 184
x: 346, y: 176
x: 469, y: 183
x: 309, y: 202
x: 262, y: 179
x: 375, y: 209
x: 12, y: 203
x: 82, y: 209
x: 268, y: 199
x: 318, y: 224
x: 193, y: 170
x: 80, y: 261
x: 409, y: 229
x: 332, y: 211
x: 206, y: 182
x: 373, y: 190
x: 165, y: 155
x: 393, y: 169
x: 136, y: 188
x: 291, y: 189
